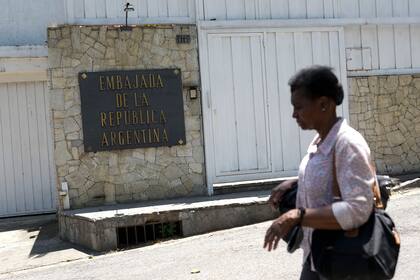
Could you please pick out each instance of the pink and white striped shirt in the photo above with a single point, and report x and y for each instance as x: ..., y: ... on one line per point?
x: 354, y: 177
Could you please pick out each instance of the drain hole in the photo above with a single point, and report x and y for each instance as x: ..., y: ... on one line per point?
x: 141, y: 234
x: 122, y: 235
x: 131, y: 235
x: 158, y: 231
x: 137, y: 235
x: 150, y: 232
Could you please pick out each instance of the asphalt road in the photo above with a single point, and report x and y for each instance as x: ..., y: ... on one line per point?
x: 228, y: 254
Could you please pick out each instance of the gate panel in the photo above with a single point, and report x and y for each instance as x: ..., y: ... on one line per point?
x: 303, y: 58
x: 249, y: 130
x: 221, y: 80
x: 7, y: 184
x: 238, y: 104
x: 27, y: 183
x: 295, y: 50
x: 286, y: 150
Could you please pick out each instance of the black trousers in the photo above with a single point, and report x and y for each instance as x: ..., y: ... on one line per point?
x: 307, y: 273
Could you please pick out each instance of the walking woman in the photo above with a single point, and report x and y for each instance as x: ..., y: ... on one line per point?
x: 315, y: 94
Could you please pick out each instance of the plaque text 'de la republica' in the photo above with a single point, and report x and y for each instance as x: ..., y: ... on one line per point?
x: 132, y: 109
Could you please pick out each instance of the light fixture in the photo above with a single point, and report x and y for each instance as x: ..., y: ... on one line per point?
x: 128, y: 8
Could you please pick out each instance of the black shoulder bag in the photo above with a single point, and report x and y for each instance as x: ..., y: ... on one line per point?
x: 368, y: 252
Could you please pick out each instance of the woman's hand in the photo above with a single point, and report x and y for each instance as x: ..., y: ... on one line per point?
x: 278, y: 192
x: 280, y: 227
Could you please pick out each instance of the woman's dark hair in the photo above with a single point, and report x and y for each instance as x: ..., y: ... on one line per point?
x: 317, y: 81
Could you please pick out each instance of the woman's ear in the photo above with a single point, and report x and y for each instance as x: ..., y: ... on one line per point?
x: 324, y: 103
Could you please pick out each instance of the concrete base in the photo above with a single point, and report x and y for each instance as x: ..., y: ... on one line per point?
x: 96, y: 228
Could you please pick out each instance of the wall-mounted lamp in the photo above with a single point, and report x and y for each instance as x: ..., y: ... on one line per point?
x: 193, y: 92
x: 128, y: 8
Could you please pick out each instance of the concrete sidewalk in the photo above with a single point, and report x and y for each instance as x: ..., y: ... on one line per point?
x: 234, y: 254
x: 32, y: 241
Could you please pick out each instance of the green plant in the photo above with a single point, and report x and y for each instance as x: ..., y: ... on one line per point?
x: 168, y: 230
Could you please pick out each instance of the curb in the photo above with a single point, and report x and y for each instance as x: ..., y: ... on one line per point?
x: 410, y: 184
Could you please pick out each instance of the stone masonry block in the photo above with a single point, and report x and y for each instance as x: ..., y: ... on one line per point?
x: 62, y: 155
x: 94, y: 48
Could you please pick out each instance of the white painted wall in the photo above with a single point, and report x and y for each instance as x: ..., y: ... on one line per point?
x: 24, y: 22
x: 305, y: 9
x: 372, y: 47
x: 368, y: 46
x: 146, y: 11
x: 379, y: 34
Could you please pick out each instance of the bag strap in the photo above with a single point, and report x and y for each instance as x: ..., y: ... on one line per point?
x: 335, y: 189
x: 375, y: 188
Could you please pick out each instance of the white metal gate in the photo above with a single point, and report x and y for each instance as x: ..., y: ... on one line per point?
x: 27, y: 180
x: 248, y: 126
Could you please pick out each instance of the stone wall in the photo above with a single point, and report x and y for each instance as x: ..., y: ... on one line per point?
x: 125, y: 175
x: 386, y: 110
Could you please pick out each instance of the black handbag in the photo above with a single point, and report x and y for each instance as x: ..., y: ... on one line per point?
x: 368, y: 252
x: 371, y: 252
x: 288, y: 201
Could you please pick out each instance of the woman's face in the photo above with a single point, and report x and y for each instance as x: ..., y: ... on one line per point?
x: 306, y: 111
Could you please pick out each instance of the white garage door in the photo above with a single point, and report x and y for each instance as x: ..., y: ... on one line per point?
x: 27, y: 180
x: 248, y: 125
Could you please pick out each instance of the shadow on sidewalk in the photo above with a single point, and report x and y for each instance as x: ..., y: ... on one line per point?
x: 40, y: 232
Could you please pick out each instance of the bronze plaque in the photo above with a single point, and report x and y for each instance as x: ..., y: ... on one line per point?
x: 132, y: 109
